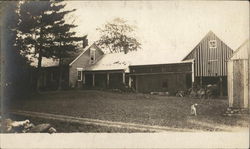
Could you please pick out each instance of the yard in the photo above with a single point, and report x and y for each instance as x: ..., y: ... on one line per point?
x: 145, y: 109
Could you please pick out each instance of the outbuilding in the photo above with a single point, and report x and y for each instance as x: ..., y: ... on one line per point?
x: 170, y: 77
x: 238, y: 85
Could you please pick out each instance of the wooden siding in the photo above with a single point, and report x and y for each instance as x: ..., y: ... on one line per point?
x: 162, y: 77
x: 238, y: 83
x: 210, y: 61
x: 238, y: 76
x: 162, y: 82
x: 82, y: 62
x: 161, y: 68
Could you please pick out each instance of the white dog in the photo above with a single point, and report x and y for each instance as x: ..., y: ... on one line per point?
x: 193, y: 109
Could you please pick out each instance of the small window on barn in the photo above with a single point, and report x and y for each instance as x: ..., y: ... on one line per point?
x: 92, y: 56
x: 165, y: 84
x: 79, y: 74
x: 212, y: 44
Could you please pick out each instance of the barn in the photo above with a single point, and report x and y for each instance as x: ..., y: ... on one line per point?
x: 210, y: 57
x: 238, y: 87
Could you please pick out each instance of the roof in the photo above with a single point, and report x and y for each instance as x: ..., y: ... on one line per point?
x: 121, y: 61
x: 241, y: 52
x: 50, y: 62
x: 85, y: 49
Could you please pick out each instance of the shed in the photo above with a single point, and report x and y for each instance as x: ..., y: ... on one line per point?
x: 238, y: 86
x: 170, y: 77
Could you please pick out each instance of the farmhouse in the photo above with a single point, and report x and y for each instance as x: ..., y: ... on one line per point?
x: 205, y: 64
x: 238, y: 86
x: 50, y: 72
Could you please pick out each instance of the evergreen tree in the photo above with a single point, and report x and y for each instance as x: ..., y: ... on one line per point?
x: 15, y: 68
x: 64, y: 43
x: 43, y: 31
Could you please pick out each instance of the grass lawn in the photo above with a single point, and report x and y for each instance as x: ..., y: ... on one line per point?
x: 135, y: 108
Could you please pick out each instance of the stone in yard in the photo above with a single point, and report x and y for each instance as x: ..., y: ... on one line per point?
x: 52, y: 130
x: 41, y: 128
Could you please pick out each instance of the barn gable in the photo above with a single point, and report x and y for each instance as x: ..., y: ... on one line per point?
x: 210, y: 56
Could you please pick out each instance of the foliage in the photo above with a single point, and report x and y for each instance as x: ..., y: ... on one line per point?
x: 44, y: 33
x: 15, y: 68
x: 117, y: 36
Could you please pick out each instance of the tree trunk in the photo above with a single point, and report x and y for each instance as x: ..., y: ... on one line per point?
x: 39, y: 66
x: 60, y: 74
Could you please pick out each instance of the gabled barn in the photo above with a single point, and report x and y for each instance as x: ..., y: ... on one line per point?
x: 238, y: 87
x: 210, y: 57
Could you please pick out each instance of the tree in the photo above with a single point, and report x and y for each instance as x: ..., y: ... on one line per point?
x: 15, y: 68
x: 117, y: 36
x: 64, y: 44
x: 43, y: 32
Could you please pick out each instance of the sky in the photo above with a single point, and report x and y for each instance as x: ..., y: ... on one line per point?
x: 169, y: 28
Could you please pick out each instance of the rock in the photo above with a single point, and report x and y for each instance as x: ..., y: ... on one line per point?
x: 41, y: 128
x: 52, y: 130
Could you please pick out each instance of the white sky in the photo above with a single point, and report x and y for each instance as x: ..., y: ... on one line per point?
x: 169, y: 27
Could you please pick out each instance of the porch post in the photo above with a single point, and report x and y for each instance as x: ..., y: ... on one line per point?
x: 123, y: 77
x: 83, y: 77
x: 93, y: 81
x: 107, y: 79
x: 221, y: 88
x: 192, y: 73
x: 129, y: 81
x: 200, y: 81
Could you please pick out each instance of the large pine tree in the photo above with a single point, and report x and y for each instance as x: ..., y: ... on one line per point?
x: 15, y: 69
x: 42, y: 29
x: 64, y: 43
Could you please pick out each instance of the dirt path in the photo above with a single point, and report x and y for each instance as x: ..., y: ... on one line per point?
x: 99, y: 122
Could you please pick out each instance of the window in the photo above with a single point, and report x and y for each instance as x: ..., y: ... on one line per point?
x: 212, y: 44
x: 79, y: 74
x: 92, y: 56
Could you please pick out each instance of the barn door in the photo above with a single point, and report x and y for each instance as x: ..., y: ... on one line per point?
x: 238, y: 84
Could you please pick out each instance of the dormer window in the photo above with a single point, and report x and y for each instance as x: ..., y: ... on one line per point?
x: 92, y: 56
x: 212, y: 44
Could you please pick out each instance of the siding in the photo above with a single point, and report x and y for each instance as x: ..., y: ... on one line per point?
x: 238, y: 76
x: 82, y: 62
x: 162, y: 77
x: 210, y: 61
x: 161, y: 82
